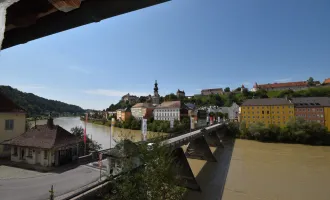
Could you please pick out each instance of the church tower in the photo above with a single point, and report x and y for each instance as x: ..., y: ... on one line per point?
x: 155, y: 98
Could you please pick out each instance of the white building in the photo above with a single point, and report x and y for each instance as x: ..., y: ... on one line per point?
x: 232, y: 111
x: 168, y: 110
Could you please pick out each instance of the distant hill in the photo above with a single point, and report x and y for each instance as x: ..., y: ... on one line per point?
x: 35, y: 105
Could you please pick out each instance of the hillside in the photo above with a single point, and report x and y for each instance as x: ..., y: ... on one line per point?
x: 35, y: 105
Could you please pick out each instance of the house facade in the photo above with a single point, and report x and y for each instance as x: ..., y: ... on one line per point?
x: 168, y: 110
x: 45, y: 145
x: 12, y: 123
x: 212, y: 91
x: 130, y: 98
x: 313, y: 109
x: 142, y: 110
x: 277, y: 111
x: 123, y: 114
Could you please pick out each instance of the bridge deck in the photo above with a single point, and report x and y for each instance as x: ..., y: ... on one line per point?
x: 181, y: 137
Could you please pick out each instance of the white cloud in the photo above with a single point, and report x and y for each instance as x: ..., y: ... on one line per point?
x: 113, y: 93
x: 283, y: 80
x: 79, y: 69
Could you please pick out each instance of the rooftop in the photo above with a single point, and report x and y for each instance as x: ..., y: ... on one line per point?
x: 311, y: 101
x: 267, y: 102
x: 44, y: 137
x: 288, y: 84
x: 143, y: 105
x: 170, y: 104
x: 326, y: 81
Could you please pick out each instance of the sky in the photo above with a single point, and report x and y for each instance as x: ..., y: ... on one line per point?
x: 183, y: 44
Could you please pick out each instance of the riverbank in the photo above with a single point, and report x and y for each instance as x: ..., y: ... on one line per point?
x: 296, y: 131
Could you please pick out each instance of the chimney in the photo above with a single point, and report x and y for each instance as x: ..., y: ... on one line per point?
x: 50, y: 121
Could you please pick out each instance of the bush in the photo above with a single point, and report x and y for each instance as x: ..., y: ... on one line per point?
x: 296, y: 131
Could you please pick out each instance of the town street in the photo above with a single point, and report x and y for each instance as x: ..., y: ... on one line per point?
x: 37, y: 188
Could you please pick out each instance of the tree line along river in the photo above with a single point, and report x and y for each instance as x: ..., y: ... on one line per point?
x: 269, y: 171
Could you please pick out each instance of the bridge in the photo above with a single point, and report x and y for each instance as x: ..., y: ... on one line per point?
x: 198, y: 147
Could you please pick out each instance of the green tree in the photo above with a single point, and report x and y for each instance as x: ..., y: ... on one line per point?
x: 245, y: 92
x: 154, y: 181
x: 227, y: 89
x: 310, y: 81
x: 91, y: 145
x: 238, y: 89
x: 171, y: 97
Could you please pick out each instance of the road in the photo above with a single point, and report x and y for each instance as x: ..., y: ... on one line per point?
x: 37, y: 188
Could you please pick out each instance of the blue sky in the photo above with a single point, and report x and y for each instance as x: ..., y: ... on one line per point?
x: 184, y: 44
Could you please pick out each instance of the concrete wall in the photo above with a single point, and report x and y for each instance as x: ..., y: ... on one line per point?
x: 19, y: 127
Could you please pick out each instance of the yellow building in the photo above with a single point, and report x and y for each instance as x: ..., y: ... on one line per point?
x: 123, y: 114
x: 12, y: 123
x: 275, y: 111
x: 327, y: 117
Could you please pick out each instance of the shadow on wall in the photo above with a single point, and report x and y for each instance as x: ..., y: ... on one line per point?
x: 212, y: 177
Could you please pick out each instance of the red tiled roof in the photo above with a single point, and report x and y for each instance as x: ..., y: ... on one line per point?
x: 327, y: 81
x: 170, y: 104
x: 288, y: 84
x: 45, y: 138
x: 7, y: 105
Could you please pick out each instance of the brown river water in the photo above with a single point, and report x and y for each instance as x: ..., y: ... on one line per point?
x: 257, y: 171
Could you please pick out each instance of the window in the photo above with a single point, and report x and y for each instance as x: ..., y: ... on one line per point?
x: 257, y: 112
x: 307, y: 109
x: 283, y: 107
x: 262, y: 112
x: 321, y: 109
x: 45, y: 154
x: 278, y: 107
x: 252, y: 112
x: 321, y: 116
x: 252, y: 108
x: 30, y: 153
x: 267, y: 112
x: 9, y: 124
x: 278, y: 112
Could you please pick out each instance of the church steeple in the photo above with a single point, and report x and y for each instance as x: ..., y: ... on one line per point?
x: 156, y: 89
x: 155, y: 98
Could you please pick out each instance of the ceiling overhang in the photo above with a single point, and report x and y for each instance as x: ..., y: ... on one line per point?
x: 29, y: 20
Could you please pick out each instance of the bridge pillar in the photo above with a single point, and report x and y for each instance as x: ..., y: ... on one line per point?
x: 182, y: 170
x: 199, y: 149
x: 213, y: 139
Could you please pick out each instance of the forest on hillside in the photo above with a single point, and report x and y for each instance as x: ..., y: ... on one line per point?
x: 35, y: 105
x: 237, y: 96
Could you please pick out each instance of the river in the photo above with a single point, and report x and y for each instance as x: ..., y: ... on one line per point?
x: 257, y: 170
x: 99, y: 133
